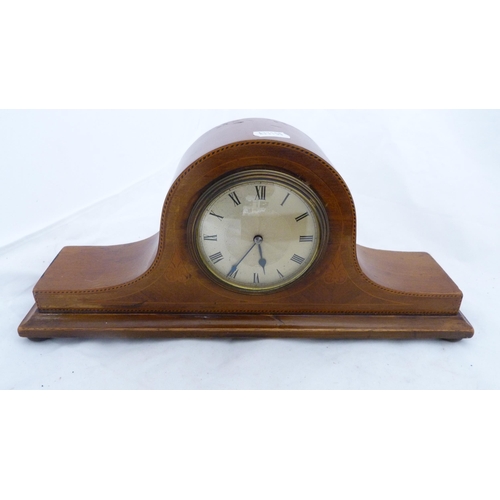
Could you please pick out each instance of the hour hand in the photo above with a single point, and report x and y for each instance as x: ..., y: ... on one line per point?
x: 262, y: 261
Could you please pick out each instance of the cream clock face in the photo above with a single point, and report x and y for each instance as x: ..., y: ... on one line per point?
x: 258, y: 230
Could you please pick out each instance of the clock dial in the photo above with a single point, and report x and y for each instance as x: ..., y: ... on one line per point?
x: 259, y: 230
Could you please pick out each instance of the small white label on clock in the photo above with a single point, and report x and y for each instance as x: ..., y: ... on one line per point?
x: 264, y: 133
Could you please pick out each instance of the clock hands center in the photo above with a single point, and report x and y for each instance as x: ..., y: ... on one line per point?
x: 262, y: 262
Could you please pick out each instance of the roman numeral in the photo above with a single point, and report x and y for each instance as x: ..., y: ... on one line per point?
x: 256, y: 278
x: 215, y: 215
x: 281, y: 276
x: 297, y: 259
x: 216, y: 257
x: 211, y: 237
x: 305, y: 239
x: 261, y: 192
x: 303, y: 216
x: 286, y: 198
x: 235, y: 198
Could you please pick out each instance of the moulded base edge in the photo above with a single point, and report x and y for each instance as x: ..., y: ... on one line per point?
x: 37, y: 326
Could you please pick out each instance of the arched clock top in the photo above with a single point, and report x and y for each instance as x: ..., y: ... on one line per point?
x: 248, y: 130
x: 254, y: 144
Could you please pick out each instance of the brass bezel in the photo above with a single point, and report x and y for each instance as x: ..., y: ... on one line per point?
x: 260, y: 173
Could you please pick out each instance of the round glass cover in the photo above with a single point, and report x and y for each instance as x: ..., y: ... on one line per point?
x: 258, y: 230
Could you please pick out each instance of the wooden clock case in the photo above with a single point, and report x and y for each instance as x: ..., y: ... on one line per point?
x: 156, y: 288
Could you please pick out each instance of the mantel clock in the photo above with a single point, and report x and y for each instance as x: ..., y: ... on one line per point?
x: 257, y: 239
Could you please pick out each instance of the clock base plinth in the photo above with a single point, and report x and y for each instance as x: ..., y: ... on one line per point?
x: 38, y: 326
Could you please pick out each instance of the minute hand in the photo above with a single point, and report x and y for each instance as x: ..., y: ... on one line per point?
x: 235, y: 266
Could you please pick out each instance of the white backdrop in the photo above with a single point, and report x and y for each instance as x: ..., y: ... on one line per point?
x: 421, y: 181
